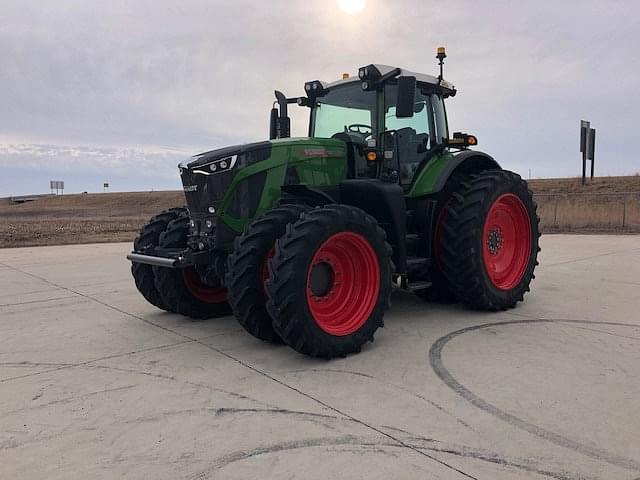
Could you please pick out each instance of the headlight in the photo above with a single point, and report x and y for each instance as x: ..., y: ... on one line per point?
x: 217, y: 166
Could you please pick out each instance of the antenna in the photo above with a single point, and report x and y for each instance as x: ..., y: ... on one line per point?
x: 442, y: 54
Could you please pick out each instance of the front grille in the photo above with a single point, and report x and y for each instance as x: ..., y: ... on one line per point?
x: 203, y: 191
x: 207, y: 177
x: 247, y: 195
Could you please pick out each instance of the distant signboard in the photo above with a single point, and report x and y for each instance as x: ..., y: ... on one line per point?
x: 105, y: 185
x: 57, y: 185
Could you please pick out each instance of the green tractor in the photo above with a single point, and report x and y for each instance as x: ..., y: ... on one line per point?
x: 304, y: 239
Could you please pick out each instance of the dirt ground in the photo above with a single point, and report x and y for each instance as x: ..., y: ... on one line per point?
x: 84, y: 218
x: 116, y: 217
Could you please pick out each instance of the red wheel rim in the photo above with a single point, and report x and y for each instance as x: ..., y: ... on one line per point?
x: 202, y: 291
x: 506, y: 241
x: 343, y: 282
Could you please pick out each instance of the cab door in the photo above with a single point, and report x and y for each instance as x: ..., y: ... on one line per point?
x: 410, y: 142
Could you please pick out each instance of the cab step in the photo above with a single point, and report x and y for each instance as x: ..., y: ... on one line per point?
x: 421, y: 285
x: 416, y: 265
x: 412, y: 240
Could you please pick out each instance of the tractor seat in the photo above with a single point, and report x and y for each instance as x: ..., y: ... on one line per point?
x: 407, y: 143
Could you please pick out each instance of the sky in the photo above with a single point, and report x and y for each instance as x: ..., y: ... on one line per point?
x: 121, y: 91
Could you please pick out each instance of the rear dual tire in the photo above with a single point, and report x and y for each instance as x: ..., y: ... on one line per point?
x: 491, y: 241
x: 440, y: 290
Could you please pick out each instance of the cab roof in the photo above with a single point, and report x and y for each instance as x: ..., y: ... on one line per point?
x: 422, y: 78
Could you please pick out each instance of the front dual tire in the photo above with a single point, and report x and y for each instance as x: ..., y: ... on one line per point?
x: 183, y: 289
x: 330, y: 281
x: 248, y: 270
x: 146, y: 241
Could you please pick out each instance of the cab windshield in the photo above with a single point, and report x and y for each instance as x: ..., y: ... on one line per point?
x: 346, y: 108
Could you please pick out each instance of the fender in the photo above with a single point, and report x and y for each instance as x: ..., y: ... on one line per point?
x: 432, y: 177
x: 467, y: 161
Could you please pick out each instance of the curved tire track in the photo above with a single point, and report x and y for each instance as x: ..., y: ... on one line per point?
x: 435, y: 359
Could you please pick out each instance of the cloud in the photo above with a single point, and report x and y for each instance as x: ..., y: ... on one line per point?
x: 98, y: 159
x: 151, y: 75
x: 27, y: 168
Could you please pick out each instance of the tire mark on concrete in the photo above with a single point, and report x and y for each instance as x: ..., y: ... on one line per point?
x: 605, y: 332
x: 521, y: 464
x: 565, y: 262
x: 392, y: 385
x: 243, y: 364
x: 364, y: 444
x: 332, y: 370
x: 435, y: 359
x: 64, y: 366
x: 2, y: 305
x: 65, y: 400
x: 242, y: 455
x: 418, y: 441
x: 27, y: 364
x: 175, y: 379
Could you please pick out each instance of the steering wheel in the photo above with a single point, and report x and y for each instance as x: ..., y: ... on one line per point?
x: 355, y: 128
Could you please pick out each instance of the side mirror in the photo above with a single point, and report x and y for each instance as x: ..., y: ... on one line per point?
x: 283, y: 129
x: 406, y: 97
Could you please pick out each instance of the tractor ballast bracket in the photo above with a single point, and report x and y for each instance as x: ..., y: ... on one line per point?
x: 172, y: 258
x: 153, y: 260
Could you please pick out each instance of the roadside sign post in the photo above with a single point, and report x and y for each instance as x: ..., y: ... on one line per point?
x: 587, y: 148
x: 105, y: 186
x: 57, y: 185
x: 591, y: 149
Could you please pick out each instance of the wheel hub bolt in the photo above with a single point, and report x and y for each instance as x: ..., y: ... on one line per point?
x: 495, y: 241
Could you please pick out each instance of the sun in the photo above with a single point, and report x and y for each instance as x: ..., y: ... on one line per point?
x: 352, y: 6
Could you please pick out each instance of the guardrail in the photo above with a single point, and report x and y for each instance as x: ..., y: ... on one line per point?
x: 29, y: 198
x: 610, y: 212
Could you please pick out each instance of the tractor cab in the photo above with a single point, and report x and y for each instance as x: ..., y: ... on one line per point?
x: 393, y: 120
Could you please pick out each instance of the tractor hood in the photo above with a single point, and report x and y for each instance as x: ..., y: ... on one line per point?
x: 230, y: 154
x: 240, y: 156
x: 221, y: 182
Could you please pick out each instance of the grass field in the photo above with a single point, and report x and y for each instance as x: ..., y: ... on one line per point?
x: 564, y: 206
x: 597, y: 185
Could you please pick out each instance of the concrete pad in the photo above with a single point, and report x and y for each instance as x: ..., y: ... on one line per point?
x: 96, y: 383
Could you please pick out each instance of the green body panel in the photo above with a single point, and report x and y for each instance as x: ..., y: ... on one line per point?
x: 317, y: 162
x: 429, y: 175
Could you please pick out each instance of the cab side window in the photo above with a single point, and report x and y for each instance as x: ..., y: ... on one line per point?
x: 442, y: 129
x: 410, y: 136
